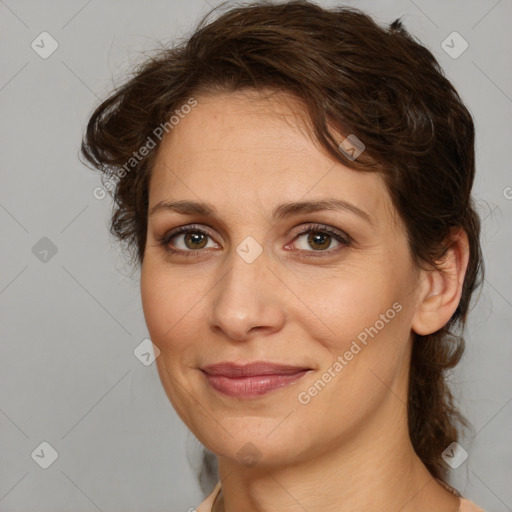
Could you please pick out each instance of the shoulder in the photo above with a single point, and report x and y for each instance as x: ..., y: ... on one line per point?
x: 469, y: 506
x: 206, y: 505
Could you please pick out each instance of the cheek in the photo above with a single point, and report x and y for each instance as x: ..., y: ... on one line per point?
x: 168, y: 311
x: 365, y: 326
x: 365, y: 364
x: 345, y: 306
x: 164, y: 303
x: 153, y: 304
x: 174, y: 310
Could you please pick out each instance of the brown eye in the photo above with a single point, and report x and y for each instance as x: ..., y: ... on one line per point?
x: 192, y: 240
x: 195, y: 240
x: 320, y: 239
x: 186, y: 240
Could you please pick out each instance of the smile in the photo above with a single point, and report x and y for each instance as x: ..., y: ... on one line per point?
x: 251, y: 380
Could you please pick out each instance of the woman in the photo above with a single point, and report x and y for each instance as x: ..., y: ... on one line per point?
x: 295, y: 184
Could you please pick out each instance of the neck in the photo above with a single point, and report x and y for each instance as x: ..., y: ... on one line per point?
x: 377, y: 469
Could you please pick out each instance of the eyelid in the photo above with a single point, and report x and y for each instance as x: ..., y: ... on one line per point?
x: 344, y: 240
x: 180, y: 230
x: 303, y: 229
x: 319, y: 226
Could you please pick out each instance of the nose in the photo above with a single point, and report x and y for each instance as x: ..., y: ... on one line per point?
x: 248, y: 300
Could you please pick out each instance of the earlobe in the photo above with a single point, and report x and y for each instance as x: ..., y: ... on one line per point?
x: 440, y: 289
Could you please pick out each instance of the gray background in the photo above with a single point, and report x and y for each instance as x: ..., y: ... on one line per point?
x: 70, y: 323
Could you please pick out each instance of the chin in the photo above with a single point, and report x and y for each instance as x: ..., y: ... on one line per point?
x: 254, y: 441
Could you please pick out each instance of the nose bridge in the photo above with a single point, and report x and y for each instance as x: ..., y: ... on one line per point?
x: 246, y: 263
x: 245, y: 298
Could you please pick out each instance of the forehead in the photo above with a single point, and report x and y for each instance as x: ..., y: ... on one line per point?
x: 233, y: 149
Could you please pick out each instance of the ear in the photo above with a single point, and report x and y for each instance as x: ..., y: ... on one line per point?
x: 440, y: 290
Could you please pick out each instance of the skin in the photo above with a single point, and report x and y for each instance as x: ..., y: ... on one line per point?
x: 348, y: 449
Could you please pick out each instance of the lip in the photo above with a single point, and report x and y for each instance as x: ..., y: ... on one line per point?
x: 253, y: 379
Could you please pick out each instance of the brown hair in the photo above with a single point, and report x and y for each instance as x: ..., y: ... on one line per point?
x: 352, y: 75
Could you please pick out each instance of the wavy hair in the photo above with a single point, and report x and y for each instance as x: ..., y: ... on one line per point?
x: 353, y: 76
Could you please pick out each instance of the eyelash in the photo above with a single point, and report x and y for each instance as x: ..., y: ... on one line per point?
x: 164, y: 240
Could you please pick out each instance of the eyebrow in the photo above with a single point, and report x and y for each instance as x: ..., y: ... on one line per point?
x: 284, y: 210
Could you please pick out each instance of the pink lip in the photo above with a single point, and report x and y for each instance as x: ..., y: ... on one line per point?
x: 251, y: 380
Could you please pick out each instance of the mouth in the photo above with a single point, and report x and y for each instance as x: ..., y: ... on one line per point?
x: 251, y: 380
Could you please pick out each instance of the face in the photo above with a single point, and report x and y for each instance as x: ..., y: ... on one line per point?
x: 328, y: 291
